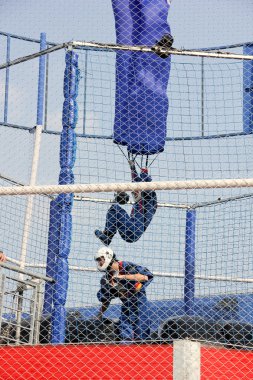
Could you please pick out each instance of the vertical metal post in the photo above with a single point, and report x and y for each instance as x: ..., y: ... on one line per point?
x: 36, y: 151
x: 85, y: 90
x: 20, y: 298
x: 2, y: 286
x: 34, y: 170
x: 189, y: 280
x: 7, y: 79
x: 186, y: 360
x: 46, y: 90
x: 33, y: 313
x: 248, y: 91
x: 39, y: 306
x: 202, y: 98
x: 41, y: 82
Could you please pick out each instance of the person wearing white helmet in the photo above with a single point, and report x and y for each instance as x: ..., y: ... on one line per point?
x: 126, y: 281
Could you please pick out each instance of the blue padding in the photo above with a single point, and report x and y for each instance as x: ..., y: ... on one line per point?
x: 69, y: 113
x: 58, y: 320
x: 189, y: 280
x: 66, y: 230
x: 71, y: 79
x: 71, y: 58
x: 248, y: 91
x: 65, y: 200
x: 66, y: 177
x: 141, y: 105
x: 68, y: 148
x: 60, y: 229
x: 61, y: 285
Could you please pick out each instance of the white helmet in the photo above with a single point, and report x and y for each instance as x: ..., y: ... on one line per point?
x: 107, y: 254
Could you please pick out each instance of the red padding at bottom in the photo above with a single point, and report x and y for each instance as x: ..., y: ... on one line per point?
x: 116, y: 362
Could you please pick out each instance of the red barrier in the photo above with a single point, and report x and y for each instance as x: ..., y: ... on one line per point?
x: 116, y: 362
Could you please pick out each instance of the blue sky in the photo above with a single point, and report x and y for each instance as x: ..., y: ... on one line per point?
x: 195, y: 23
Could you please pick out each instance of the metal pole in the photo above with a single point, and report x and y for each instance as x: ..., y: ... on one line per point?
x: 85, y: 91
x: 46, y: 91
x: 2, y: 285
x: 202, y: 98
x: 189, y: 280
x: 7, y: 79
x: 36, y: 151
x: 35, y: 162
x: 248, y: 91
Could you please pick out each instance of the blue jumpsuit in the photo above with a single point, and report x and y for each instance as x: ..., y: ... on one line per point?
x: 134, y: 318
x: 132, y: 227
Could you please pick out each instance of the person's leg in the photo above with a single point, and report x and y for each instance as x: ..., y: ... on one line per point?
x: 126, y: 331
x: 133, y: 316
x: 142, y: 326
x: 117, y: 219
x: 149, y: 200
x: 131, y: 227
x: 106, y: 236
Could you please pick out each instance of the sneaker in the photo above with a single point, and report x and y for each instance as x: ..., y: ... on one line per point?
x: 105, y: 239
x: 121, y: 197
x: 165, y: 42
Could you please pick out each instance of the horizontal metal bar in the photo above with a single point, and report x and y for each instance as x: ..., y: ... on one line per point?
x: 27, y: 272
x: 110, y: 137
x: 146, y: 49
x: 220, y: 201
x: 160, y: 274
x: 32, y: 56
x: 101, y: 200
x: 173, y: 51
x: 27, y: 39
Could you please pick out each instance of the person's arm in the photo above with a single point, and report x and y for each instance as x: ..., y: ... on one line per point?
x: 134, y: 174
x: 135, y: 178
x: 133, y: 277
x: 3, y: 258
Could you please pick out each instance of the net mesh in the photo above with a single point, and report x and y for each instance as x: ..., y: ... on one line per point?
x: 198, y: 244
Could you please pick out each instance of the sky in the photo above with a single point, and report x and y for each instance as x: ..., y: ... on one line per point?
x: 194, y: 23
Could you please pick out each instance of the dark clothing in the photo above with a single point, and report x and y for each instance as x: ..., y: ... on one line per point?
x: 131, y: 227
x: 134, y: 320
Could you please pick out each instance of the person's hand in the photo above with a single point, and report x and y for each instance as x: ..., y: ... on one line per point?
x: 118, y: 276
x: 97, y: 317
x: 2, y: 257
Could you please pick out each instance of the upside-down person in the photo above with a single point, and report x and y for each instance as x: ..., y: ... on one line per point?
x: 130, y: 227
x: 126, y: 281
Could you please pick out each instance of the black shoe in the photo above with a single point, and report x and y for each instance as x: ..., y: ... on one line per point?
x: 104, y: 238
x: 121, y: 197
x: 165, y: 42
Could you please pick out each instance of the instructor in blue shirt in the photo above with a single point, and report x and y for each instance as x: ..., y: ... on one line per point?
x: 126, y: 281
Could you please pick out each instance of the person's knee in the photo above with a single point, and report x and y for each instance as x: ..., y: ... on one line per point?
x: 133, y: 234
x: 145, y: 177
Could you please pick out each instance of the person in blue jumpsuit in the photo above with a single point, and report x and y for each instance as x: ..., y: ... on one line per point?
x: 126, y: 281
x: 130, y: 227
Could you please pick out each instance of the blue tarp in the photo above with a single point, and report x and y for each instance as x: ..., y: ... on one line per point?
x: 141, y: 104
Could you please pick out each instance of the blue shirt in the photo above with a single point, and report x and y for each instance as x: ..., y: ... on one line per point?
x: 124, y: 289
